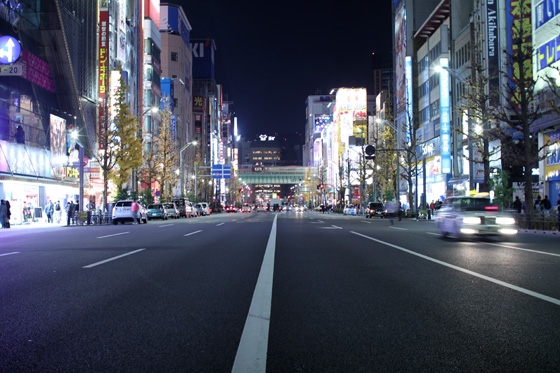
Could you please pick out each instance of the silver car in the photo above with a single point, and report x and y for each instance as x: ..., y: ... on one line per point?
x: 171, y: 210
x: 474, y: 216
x: 122, y: 213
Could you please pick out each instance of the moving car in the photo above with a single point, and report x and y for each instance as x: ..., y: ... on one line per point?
x: 171, y: 210
x: 246, y: 208
x: 231, y: 208
x: 122, y: 213
x: 474, y: 216
x: 261, y: 208
x: 375, y: 209
x: 349, y: 210
x: 156, y: 211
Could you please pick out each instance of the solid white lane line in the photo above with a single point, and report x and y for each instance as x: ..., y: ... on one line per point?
x: 113, y: 258
x: 251, y: 353
x: 521, y: 249
x: 15, y: 252
x: 472, y: 273
x: 195, y: 232
x: 167, y: 225
x: 217, y: 225
x: 113, y: 235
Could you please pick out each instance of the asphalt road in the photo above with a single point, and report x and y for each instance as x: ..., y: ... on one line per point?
x: 290, y: 292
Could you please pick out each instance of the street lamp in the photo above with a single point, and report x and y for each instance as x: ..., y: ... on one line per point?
x: 182, y: 171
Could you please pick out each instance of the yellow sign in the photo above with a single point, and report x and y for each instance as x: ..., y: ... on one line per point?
x: 72, y: 172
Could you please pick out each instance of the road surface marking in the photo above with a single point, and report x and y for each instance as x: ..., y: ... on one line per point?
x: 519, y: 248
x: 402, y: 229
x: 15, y: 252
x: 113, y: 235
x: 167, y: 225
x: 315, y: 222
x: 113, y: 258
x: 469, y: 272
x: 331, y: 227
x: 251, y: 353
x: 217, y: 225
x: 195, y: 232
x: 363, y: 221
x: 433, y: 234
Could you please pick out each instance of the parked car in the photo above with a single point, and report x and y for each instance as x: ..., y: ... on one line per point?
x: 246, y: 208
x: 122, y: 213
x: 205, y: 208
x: 184, y: 207
x: 375, y: 209
x: 171, y: 210
x: 199, y: 209
x: 474, y: 216
x: 156, y: 211
x: 350, y: 209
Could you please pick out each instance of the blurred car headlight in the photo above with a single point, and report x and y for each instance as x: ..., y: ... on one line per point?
x: 471, y: 220
x: 505, y: 221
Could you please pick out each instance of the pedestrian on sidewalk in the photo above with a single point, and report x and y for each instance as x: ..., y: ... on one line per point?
x: 134, y: 208
x: 70, y: 208
x: 49, y: 210
x: 3, y: 213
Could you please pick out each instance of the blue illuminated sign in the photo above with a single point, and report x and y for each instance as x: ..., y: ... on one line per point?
x: 444, y: 117
x: 10, y: 50
x: 408, y: 82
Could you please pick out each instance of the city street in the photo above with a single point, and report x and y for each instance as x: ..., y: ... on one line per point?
x: 276, y: 292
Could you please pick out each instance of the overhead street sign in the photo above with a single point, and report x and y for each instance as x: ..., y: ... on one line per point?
x: 10, y: 50
x: 221, y: 171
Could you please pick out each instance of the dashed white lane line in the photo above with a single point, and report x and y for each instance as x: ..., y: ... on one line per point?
x: 402, y: 229
x: 113, y: 258
x: 472, y: 273
x: 166, y: 225
x: 433, y: 234
x: 251, y: 353
x: 217, y: 225
x: 195, y: 232
x: 15, y: 252
x: 113, y: 235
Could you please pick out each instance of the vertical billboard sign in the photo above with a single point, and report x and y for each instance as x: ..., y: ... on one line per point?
x: 408, y: 79
x: 58, y: 144
x: 444, y: 114
x: 493, y: 50
x: 103, y: 66
x: 518, y: 25
x: 400, y: 53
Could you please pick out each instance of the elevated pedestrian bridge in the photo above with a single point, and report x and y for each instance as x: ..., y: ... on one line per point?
x: 274, y: 175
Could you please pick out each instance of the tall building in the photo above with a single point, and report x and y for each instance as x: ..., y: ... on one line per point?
x: 175, y: 31
x: 52, y: 93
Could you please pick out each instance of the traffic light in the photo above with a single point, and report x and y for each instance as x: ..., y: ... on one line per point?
x: 321, y: 186
x: 370, y: 152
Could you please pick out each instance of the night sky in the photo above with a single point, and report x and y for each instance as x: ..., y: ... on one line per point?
x: 272, y: 55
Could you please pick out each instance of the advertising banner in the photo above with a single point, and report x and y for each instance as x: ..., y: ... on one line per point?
x: 58, y: 144
x: 199, y: 104
x: 445, y: 114
x: 400, y: 53
x: 103, y: 48
x: 493, y: 49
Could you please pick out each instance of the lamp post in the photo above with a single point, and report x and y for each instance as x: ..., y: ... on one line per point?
x: 181, y: 169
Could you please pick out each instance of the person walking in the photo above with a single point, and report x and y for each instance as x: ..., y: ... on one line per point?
x: 49, y: 210
x: 538, y: 207
x: 134, y: 207
x: 70, y: 208
x: 546, y: 205
x: 57, y: 212
x: 8, y: 214
x: 517, y: 204
x: 3, y: 213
